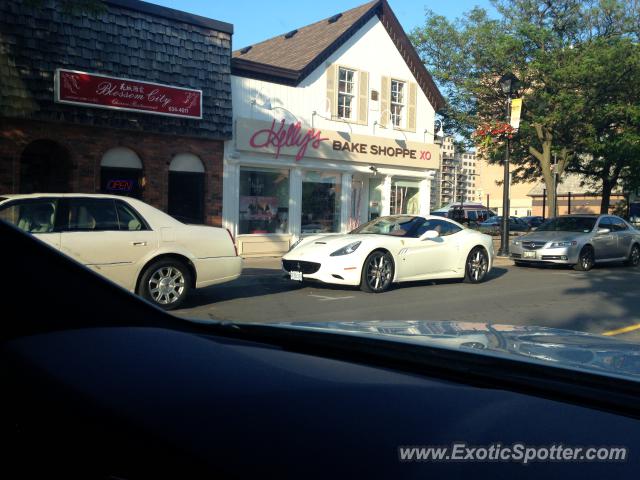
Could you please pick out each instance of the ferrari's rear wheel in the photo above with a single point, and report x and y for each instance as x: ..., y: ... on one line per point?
x: 377, y: 272
x: 477, y: 265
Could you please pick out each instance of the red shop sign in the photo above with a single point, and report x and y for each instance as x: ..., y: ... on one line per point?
x: 88, y: 89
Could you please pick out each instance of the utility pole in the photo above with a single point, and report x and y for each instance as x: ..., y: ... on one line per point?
x: 504, y: 230
x: 555, y: 185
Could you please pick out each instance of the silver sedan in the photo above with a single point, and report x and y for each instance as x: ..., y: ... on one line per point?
x: 579, y: 240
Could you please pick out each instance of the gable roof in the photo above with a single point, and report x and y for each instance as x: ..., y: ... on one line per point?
x: 288, y: 59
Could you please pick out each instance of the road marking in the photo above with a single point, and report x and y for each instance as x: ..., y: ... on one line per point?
x: 618, y: 331
x: 325, y: 298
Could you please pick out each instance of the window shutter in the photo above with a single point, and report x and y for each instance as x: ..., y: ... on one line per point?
x: 363, y: 97
x: 385, y: 93
x: 411, y: 107
x: 332, y: 90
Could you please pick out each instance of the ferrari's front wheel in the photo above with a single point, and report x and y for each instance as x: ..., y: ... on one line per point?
x: 477, y: 265
x: 377, y: 272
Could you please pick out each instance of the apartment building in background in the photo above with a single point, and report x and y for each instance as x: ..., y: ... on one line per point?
x: 458, y: 177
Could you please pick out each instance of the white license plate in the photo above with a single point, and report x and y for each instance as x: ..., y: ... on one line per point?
x: 296, y: 276
x: 528, y: 254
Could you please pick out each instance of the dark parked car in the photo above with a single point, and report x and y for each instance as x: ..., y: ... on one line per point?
x: 470, y: 215
x: 533, y: 222
x: 493, y: 225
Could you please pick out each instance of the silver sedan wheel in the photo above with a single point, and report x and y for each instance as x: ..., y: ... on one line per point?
x: 166, y: 285
x: 634, y: 258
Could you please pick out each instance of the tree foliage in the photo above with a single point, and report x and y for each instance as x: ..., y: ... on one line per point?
x: 552, y: 46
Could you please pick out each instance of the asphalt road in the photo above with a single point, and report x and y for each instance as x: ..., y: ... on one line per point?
x: 602, y: 300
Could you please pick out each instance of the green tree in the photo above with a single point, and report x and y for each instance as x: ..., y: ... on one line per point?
x: 539, y: 41
x: 607, y: 141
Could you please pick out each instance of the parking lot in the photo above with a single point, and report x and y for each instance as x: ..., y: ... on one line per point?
x: 604, y: 300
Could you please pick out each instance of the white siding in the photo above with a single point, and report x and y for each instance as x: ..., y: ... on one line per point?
x: 371, y: 50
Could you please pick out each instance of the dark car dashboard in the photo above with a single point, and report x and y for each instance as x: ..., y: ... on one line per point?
x: 103, y: 385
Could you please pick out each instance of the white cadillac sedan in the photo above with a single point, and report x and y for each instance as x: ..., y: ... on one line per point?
x: 131, y: 243
x: 398, y: 248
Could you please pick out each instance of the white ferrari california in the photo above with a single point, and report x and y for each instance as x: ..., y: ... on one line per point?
x: 399, y: 248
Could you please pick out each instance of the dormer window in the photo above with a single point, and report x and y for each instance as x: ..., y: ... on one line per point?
x: 346, y: 92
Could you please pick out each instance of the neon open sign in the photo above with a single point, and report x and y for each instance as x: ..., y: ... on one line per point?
x: 120, y: 185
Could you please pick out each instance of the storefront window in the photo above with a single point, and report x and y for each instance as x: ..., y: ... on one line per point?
x: 320, y: 202
x: 375, y: 198
x: 264, y: 201
x: 405, y: 197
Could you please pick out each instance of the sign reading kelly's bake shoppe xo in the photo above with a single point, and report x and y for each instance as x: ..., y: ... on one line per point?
x: 280, y: 137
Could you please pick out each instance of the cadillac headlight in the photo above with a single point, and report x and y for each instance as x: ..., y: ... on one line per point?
x: 563, y: 244
x: 352, y: 247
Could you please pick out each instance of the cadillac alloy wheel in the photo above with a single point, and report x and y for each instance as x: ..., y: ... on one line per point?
x: 165, y: 283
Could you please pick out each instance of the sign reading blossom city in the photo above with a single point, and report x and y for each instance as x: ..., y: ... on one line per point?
x: 101, y: 91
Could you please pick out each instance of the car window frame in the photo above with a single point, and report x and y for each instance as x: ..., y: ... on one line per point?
x: 22, y: 201
x: 609, y: 225
x: 67, y: 203
x: 442, y: 220
x: 139, y: 217
x: 618, y: 220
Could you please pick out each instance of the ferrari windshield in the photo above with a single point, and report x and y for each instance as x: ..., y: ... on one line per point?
x: 398, y: 226
x: 568, y: 224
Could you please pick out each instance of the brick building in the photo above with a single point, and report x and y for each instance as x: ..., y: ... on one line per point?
x: 157, y: 132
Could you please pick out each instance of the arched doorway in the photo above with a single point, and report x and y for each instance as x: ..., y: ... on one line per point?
x: 45, y: 166
x: 121, y: 173
x: 186, y: 188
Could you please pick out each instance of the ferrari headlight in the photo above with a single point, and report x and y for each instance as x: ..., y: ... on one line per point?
x: 563, y: 244
x: 295, y: 244
x: 352, y: 247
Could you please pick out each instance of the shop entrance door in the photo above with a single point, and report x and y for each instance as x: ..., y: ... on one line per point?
x: 186, y: 196
x: 357, y: 199
x: 405, y: 197
x: 186, y: 188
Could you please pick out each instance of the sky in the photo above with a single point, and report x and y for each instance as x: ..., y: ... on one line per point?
x: 257, y: 20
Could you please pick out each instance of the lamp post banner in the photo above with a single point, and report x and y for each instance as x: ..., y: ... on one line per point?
x: 516, y: 109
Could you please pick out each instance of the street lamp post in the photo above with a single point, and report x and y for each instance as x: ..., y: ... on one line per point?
x: 508, y: 83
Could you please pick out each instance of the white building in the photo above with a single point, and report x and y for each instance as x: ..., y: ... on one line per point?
x: 333, y: 126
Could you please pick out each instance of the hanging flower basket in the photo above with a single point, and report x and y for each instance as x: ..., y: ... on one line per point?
x: 488, y: 135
